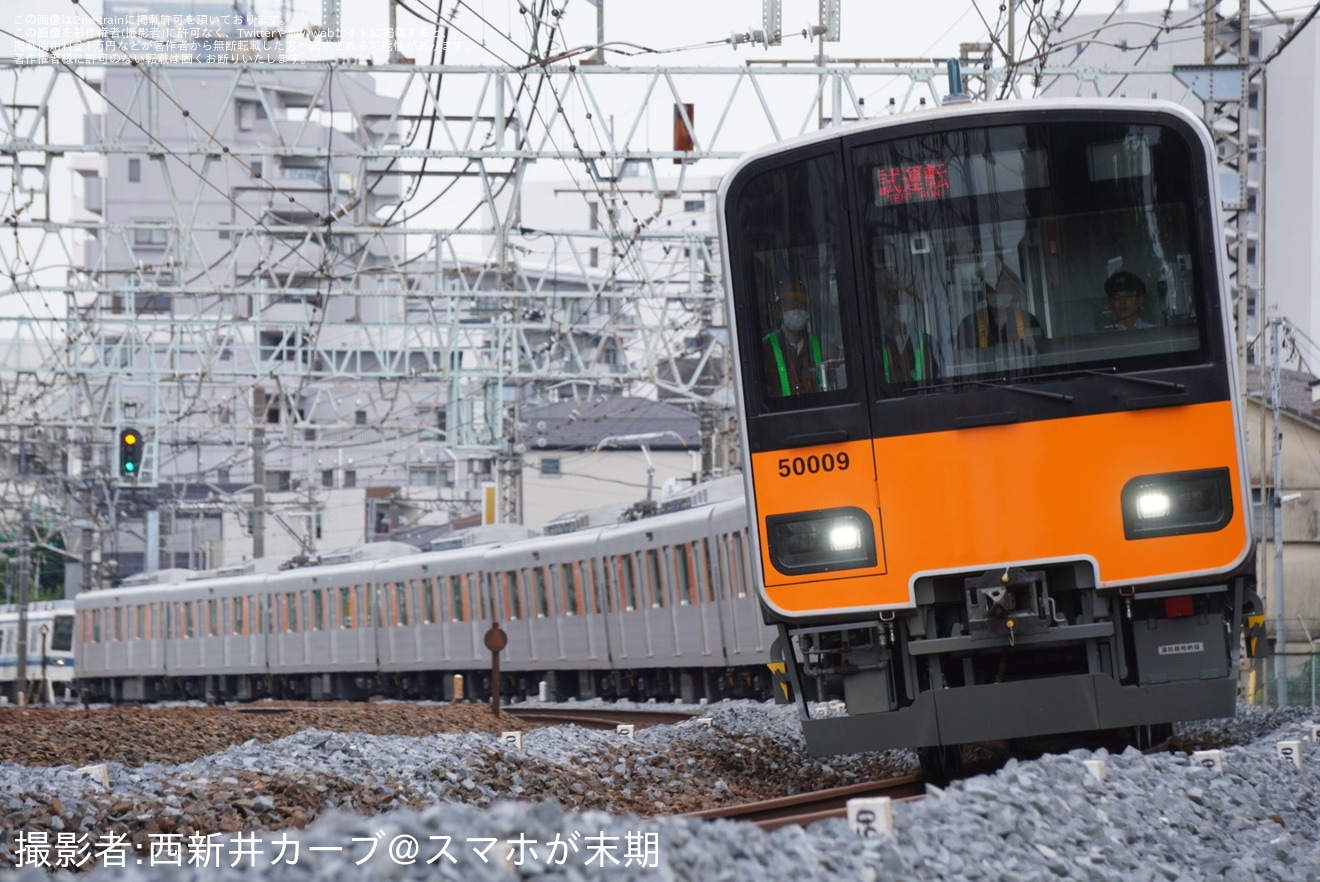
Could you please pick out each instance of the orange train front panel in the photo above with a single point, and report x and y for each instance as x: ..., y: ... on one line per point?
x: 810, y: 479
x: 973, y: 499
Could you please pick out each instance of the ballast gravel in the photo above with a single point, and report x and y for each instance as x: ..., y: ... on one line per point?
x: 1160, y: 816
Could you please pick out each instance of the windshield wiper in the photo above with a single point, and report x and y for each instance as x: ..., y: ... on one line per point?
x: 1025, y: 390
x: 1149, y: 381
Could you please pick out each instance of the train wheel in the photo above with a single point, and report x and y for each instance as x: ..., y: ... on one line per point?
x: 1146, y: 737
x: 942, y: 762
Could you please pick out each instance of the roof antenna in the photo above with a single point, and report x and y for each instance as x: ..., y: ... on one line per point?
x: 956, y: 94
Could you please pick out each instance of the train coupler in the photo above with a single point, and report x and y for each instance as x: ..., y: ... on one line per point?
x: 1011, y: 603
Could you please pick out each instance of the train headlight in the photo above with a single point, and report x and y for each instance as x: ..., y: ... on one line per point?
x: 1152, y: 504
x: 820, y: 541
x: 846, y: 536
x: 1176, y: 503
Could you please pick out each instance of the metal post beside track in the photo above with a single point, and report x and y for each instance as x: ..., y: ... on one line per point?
x: 495, y: 640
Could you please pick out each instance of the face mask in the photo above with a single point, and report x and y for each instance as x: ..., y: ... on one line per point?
x: 999, y: 301
x: 795, y: 319
x: 907, y: 312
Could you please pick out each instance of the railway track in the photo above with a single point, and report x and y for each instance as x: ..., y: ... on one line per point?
x: 598, y: 717
x: 804, y: 809
x: 588, y: 718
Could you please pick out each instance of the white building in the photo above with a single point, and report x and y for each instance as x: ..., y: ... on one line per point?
x: 303, y: 383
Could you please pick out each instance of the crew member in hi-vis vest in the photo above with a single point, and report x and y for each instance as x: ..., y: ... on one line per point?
x: 908, y: 354
x: 1002, y: 327
x: 793, y: 354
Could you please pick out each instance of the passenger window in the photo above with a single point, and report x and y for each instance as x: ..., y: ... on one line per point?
x: 655, y: 572
x: 364, y: 604
x: 737, y: 565
x: 457, y: 600
x: 428, y: 602
x: 627, y: 581
x: 568, y: 579
x: 401, y: 603
x: 683, y: 574
x: 541, y: 591
x: 485, y: 588
x: 513, y: 601
x: 345, y: 607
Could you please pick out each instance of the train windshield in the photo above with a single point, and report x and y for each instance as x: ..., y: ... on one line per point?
x: 1028, y: 249
x: 61, y: 637
x: 1000, y: 251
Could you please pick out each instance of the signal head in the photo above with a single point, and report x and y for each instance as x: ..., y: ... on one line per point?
x: 130, y: 453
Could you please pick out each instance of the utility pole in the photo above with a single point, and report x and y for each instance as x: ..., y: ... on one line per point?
x: 706, y: 431
x: 599, y: 56
x: 20, y: 671
x: 258, y: 473
x: 509, y: 465
x: 1280, y: 660
x: 1223, y: 86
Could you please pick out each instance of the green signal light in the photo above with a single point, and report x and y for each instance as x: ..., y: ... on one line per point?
x: 130, y: 467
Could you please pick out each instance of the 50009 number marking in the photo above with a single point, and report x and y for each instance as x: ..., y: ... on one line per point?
x: 812, y: 465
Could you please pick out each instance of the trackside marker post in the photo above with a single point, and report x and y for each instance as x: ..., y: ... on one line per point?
x: 1290, y: 750
x: 871, y: 816
x: 1210, y: 759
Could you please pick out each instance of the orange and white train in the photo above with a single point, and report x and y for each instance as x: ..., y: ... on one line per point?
x: 995, y: 460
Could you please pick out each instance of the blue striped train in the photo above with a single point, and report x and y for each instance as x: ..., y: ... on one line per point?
x: 49, y: 651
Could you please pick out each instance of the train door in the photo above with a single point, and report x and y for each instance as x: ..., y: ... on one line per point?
x: 692, y: 633
x: 661, y: 628
x: 316, y: 638
x: 432, y: 647
x: 542, y: 614
x: 587, y: 576
x: 396, y: 642
x: 490, y: 608
x: 606, y: 600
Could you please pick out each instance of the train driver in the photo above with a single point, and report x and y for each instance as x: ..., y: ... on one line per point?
x: 1002, y: 327
x: 909, y: 352
x: 1126, y: 294
x: 794, y: 359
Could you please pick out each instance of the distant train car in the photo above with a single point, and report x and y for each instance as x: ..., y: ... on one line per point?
x: 993, y: 429
x: 49, y: 668
x: 660, y: 607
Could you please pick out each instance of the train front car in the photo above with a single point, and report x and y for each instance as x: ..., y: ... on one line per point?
x: 995, y: 461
